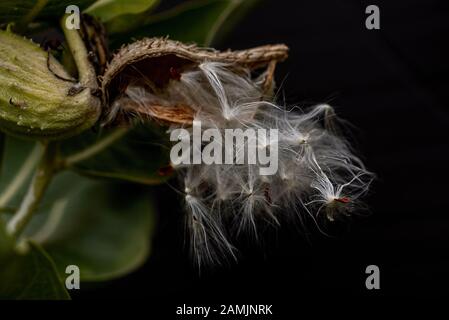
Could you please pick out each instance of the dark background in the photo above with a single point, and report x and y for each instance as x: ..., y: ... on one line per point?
x: 392, y: 84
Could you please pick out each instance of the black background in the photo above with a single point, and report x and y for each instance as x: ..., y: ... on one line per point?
x: 393, y: 86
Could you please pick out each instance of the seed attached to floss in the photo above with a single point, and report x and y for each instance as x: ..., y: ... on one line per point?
x: 342, y: 200
x: 175, y: 74
x: 222, y: 92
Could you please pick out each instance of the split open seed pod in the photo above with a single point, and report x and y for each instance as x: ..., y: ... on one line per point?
x: 153, y: 63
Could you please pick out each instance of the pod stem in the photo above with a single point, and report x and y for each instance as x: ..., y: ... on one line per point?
x: 95, y: 148
x: 86, y: 72
x: 39, y: 183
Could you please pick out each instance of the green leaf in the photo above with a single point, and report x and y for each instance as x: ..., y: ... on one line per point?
x: 16, y: 10
x: 103, y: 228
x: 31, y: 276
x: 6, y: 242
x: 134, y: 155
x: 106, y: 10
x: 193, y: 21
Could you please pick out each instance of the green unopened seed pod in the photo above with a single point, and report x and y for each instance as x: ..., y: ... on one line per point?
x: 38, y: 98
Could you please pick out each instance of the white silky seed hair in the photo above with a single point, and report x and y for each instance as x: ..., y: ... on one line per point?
x: 318, y: 175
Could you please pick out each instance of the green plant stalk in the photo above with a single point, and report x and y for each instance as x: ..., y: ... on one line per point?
x: 21, y: 176
x: 49, y: 163
x: 94, y: 148
x: 2, y: 151
x: 39, y: 183
x: 86, y: 72
x: 40, y: 4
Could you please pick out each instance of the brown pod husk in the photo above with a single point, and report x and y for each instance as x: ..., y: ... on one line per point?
x: 152, y: 59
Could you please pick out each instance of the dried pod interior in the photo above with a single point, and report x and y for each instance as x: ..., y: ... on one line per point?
x: 163, y: 79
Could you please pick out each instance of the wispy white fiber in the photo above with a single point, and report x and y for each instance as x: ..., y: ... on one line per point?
x: 318, y: 174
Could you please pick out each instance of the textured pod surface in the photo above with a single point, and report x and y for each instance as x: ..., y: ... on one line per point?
x: 157, y: 60
x: 35, y: 101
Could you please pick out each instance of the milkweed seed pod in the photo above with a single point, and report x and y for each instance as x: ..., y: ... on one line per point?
x: 315, y: 176
x: 38, y: 98
x: 155, y: 67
